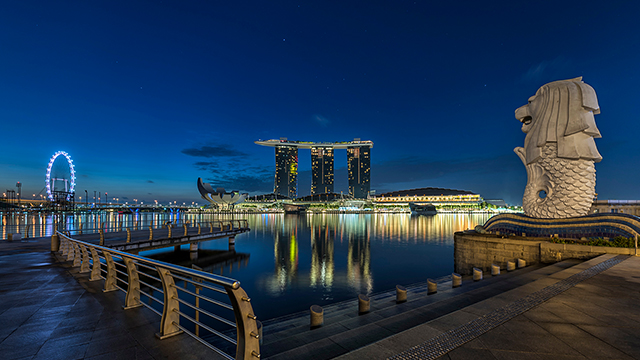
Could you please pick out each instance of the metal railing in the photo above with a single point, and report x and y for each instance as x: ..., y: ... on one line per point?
x: 178, y: 303
x: 35, y: 230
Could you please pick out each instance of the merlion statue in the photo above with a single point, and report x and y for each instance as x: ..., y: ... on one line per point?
x: 559, y: 151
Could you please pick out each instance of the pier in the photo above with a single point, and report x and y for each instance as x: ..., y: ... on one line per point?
x: 165, y: 236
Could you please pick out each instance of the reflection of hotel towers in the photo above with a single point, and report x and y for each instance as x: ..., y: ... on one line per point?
x: 322, y: 265
x: 286, y: 257
x: 286, y: 179
x: 359, y: 261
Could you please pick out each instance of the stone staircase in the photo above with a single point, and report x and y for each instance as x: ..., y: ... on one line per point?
x: 344, y: 330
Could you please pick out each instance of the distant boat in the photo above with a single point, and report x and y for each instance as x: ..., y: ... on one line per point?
x: 293, y: 208
x: 424, y: 209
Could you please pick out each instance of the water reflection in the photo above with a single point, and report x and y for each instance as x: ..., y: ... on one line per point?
x: 322, y: 258
x: 301, y: 260
x: 322, y: 248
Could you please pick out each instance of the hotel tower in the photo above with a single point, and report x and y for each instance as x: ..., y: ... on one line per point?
x: 322, y: 155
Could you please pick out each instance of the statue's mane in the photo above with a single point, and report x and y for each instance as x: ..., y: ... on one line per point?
x: 565, y: 117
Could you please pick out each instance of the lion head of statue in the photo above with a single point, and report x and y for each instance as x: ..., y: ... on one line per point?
x: 561, y: 112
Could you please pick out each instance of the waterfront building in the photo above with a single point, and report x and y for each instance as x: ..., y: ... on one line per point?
x: 321, y: 170
x: 435, y: 196
x: 359, y: 167
x: 286, y: 181
x: 631, y: 207
x: 219, y: 196
x: 322, y: 155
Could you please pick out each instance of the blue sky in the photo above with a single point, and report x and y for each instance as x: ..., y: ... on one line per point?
x: 147, y: 96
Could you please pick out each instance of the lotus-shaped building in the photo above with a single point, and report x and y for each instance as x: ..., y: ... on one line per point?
x: 219, y: 196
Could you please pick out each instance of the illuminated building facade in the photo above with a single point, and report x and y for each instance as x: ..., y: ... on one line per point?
x: 321, y: 170
x: 322, y: 154
x: 435, y: 196
x: 286, y: 181
x: 359, y: 168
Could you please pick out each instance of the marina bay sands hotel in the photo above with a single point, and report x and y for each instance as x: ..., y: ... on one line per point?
x: 358, y: 166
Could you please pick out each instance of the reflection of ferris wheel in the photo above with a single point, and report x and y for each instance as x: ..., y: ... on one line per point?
x: 60, y: 175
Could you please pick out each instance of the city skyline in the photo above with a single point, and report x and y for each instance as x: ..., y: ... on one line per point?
x: 147, y: 97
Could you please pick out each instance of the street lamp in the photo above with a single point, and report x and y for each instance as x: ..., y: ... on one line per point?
x: 86, y: 199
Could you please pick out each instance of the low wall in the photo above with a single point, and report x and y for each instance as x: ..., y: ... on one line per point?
x: 481, y: 250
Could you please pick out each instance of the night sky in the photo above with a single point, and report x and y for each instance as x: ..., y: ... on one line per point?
x: 147, y: 96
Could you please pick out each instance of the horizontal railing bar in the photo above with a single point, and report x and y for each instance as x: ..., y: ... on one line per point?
x: 151, y: 286
x: 201, y: 310
x: 121, y: 289
x: 223, y: 336
x: 153, y: 298
x: 222, y: 291
x: 199, y: 283
x: 120, y: 264
x: 120, y: 272
x: 149, y: 276
x: 216, y: 302
x: 204, y: 342
x: 151, y: 308
x: 147, y: 266
x: 216, y: 279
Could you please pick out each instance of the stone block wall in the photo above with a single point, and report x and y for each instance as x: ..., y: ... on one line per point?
x: 481, y: 250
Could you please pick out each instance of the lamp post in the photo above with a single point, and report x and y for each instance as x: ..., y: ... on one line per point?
x: 86, y: 199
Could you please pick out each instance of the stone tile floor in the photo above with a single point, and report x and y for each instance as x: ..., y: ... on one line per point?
x: 47, y: 313
x: 598, y: 318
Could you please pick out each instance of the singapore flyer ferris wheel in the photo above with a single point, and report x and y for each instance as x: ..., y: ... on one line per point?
x: 61, y: 177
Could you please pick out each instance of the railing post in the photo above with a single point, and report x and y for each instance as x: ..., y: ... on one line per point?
x: 150, y: 232
x: 26, y: 231
x: 132, y: 299
x: 128, y: 235
x: 84, y: 268
x: 185, y: 229
x: 55, y: 243
x: 199, y: 229
x: 63, y: 245
x: 95, y: 268
x: 169, y: 228
x: 110, y: 280
x: 76, y: 256
x: 247, y: 327
x: 170, y: 315
x: 211, y: 227
x: 101, y: 237
x: 70, y: 251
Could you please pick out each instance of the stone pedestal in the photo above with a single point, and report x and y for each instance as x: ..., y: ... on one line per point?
x: 363, y: 304
x: 456, y: 280
x: 317, y: 316
x: 495, y: 270
x: 477, y: 274
x: 401, y: 294
x: 432, y: 287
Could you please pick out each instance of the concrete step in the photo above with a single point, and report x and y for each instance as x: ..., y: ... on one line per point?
x: 344, y: 330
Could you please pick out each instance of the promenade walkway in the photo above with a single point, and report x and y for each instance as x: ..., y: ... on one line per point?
x: 589, y: 311
x: 570, y: 310
x: 49, y: 311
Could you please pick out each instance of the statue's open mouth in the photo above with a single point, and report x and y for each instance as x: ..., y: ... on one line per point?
x: 526, y: 120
